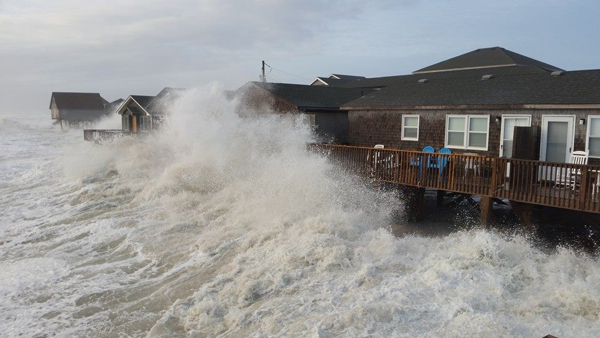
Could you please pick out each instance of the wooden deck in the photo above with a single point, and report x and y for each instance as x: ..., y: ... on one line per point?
x: 561, y: 185
x: 103, y: 135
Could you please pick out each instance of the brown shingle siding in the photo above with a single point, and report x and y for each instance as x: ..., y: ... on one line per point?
x: 370, y: 127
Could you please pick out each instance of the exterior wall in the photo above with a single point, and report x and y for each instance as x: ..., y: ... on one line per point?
x: 53, y: 110
x: 370, y: 127
x: 332, y: 126
x: 80, y: 115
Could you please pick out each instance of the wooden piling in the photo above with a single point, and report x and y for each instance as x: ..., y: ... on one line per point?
x: 486, y: 206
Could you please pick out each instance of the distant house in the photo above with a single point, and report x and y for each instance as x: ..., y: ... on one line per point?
x: 143, y: 113
x: 470, y: 103
x: 335, y: 80
x: 76, y: 109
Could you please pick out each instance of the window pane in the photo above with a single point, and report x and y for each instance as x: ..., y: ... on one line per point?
x: 556, y: 141
x: 509, y: 125
x: 595, y: 127
x: 456, y: 123
x: 456, y: 139
x: 595, y: 146
x: 478, y: 124
x: 477, y: 140
x: 411, y: 121
x: 508, y: 147
x: 410, y: 132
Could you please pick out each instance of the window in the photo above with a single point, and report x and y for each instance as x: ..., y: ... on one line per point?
x: 593, y: 141
x: 410, y: 127
x: 145, y: 123
x: 467, y: 131
x: 311, y: 120
x: 126, y: 122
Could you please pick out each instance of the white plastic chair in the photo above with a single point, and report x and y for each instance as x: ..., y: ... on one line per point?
x: 578, y: 157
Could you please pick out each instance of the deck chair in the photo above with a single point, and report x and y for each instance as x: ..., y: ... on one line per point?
x: 578, y: 157
x: 416, y: 160
x: 439, y: 162
x: 471, y: 164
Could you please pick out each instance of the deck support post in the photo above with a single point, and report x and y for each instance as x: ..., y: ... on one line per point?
x: 486, y: 206
x: 440, y: 198
x: 416, y: 203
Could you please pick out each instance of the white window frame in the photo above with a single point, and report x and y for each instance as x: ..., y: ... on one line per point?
x: 405, y: 138
x: 587, y: 136
x: 311, y: 120
x: 467, y: 119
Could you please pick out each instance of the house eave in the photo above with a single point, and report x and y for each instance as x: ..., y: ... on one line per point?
x: 482, y: 106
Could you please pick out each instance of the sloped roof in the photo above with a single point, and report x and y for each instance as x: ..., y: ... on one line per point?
x: 577, y: 87
x: 486, y: 58
x: 143, y: 100
x: 332, y: 82
x: 346, y: 77
x: 380, y: 82
x: 306, y: 97
x: 112, y: 106
x: 87, y: 101
x: 161, y: 102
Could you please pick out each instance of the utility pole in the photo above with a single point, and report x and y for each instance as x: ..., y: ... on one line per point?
x: 263, y: 78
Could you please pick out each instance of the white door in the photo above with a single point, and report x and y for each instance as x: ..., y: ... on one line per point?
x: 557, y: 146
x: 507, y: 132
x: 557, y: 138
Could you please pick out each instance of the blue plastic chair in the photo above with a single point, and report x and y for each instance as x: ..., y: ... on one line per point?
x: 442, y: 162
x: 418, y: 159
x: 439, y: 162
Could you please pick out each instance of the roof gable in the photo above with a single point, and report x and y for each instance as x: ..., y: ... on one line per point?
x: 161, y: 102
x: 132, y: 104
x: 493, y: 57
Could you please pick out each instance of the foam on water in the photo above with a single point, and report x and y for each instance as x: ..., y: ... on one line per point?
x: 225, y: 224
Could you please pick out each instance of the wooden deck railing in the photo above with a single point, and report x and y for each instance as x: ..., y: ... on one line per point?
x: 563, y: 185
x: 103, y: 135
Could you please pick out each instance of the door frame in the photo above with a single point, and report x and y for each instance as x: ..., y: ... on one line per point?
x: 570, y: 133
x: 504, y: 116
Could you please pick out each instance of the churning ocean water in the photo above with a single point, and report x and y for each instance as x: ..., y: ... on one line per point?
x: 225, y: 225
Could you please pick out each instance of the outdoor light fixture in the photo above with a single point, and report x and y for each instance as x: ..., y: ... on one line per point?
x: 581, y: 121
x: 497, y: 119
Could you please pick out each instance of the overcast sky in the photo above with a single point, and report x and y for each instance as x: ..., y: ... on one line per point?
x: 127, y: 47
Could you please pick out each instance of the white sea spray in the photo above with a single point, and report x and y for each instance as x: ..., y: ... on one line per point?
x: 224, y: 224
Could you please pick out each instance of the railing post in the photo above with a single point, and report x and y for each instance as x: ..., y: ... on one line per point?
x: 582, y: 186
x: 423, y: 169
x: 494, y: 179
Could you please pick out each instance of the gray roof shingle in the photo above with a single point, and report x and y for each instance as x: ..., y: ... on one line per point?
x: 85, y: 101
x: 486, y: 58
x: 306, y: 97
x: 577, y: 87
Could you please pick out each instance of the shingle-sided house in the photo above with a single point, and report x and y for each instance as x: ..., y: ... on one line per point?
x: 471, y: 104
x: 75, y: 109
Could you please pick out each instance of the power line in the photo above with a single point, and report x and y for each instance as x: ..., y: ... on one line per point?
x: 282, y: 71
